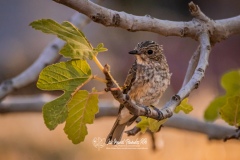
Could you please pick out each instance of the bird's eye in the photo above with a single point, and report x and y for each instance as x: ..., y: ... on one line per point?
x: 150, y: 51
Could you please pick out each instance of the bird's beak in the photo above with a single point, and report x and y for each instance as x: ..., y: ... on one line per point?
x: 133, y: 52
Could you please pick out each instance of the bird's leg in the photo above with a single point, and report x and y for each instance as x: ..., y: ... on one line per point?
x: 133, y: 131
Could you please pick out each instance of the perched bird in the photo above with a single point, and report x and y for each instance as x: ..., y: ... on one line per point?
x: 146, y: 81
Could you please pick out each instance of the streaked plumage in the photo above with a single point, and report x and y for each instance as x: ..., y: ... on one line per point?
x: 147, y: 79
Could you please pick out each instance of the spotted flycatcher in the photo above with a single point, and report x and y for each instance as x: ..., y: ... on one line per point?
x: 146, y: 81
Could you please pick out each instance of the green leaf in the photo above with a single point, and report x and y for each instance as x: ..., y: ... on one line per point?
x: 230, y: 112
x: 82, y: 109
x: 231, y: 82
x: 184, y: 106
x: 100, y: 48
x: 66, y: 76
x: 149, y: 123
x: 56, y: 112
x: 77, y: 46
x: 212, y: 112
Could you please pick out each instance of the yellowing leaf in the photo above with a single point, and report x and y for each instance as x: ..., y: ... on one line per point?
x: 149, y: 123
x: 154, y: 125
x: 66, y: 76
x: 82, y: 109
x: 184, y: 106
x: 143, y: 124
x: 230, y: 112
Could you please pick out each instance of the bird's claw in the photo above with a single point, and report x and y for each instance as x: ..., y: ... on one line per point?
x: 160, y: 114
x: 147, y: 111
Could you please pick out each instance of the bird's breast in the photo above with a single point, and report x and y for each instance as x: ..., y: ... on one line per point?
x: 149, y: 84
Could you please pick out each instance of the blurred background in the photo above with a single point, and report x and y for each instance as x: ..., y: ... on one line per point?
x: 24, y: 135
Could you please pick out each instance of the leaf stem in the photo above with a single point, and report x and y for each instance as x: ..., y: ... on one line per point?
x: 99, y: 79
x: 100, y: 66
x: 99, y: 93
x: 80, y: 86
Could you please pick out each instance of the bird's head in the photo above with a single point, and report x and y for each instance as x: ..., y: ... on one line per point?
x: 148, y: 51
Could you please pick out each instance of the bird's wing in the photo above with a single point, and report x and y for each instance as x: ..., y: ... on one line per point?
x: 130, y: 78
x: 128, y: 82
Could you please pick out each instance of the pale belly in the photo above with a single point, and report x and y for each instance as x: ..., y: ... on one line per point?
x: 145, y: 95
x: 149, y: 85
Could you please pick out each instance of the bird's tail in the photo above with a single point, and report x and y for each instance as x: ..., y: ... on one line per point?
x: 116, y: 132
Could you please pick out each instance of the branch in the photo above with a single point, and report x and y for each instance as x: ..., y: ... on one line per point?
x: 199, y: 68
x: 134, y: 23
x: 226, y: 27
x: 195, y: 80
x: 213, y: 131
x: 20, y: 104
x: 192, y: 66
x: 48, y: 56
x: 235, y: 135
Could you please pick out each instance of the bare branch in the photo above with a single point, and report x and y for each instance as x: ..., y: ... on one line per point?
x: 192, y: 66
x: 124, y: 20
x: 20, y: 104
x: 197, y: 76
x: 48, y: 56
x: 197, y: 13
x: 230, y: 25
x: 133, y: 23
x: 235, y: 135
x: 213, y: 131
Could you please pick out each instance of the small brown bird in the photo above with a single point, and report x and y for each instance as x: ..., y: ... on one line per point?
x: 148, y: 78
